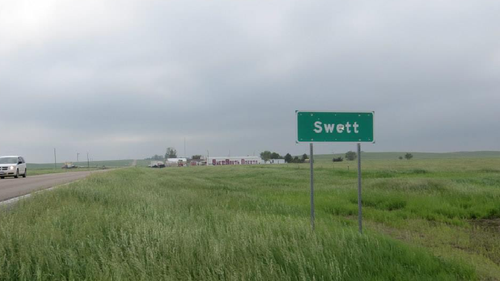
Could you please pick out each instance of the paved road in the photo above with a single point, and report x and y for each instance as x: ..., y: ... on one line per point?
x: 11, y: 187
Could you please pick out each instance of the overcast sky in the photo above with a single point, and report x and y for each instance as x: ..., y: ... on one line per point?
x: 126, y: 79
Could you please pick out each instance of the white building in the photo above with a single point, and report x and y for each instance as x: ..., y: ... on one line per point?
x: 239, y: 160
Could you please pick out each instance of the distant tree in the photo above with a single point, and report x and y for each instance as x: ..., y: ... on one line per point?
x: 351, y: 155
x: 156, y: 157
x: 275, y: 155
x: 266, y: 155
x: 408, y: 156
x: 304, y: 158
x: 296, y: 159
x: 196, y: 157
x: 288, y: 158
x: 400, y: 157
x: 171, y: 153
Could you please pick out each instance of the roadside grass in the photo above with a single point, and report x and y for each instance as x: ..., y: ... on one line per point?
x: 423, y: 220
x: 36, y: 172
x: 449, y: 206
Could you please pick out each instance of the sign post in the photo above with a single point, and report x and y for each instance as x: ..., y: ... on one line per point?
x: 311, y: 160
x: 360, y: 216
x: 314, y: 126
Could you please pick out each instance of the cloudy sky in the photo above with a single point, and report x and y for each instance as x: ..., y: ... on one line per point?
x: 126, y: 79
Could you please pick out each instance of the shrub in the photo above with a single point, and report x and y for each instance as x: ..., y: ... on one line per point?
x: 351, y: 155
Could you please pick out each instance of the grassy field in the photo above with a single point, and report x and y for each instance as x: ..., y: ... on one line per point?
x: 424, y: 219
x: 143, y: 163
x: 48, y: 168
x: 417, y: 155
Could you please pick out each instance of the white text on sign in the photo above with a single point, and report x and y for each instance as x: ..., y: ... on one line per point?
x: 331, y: 128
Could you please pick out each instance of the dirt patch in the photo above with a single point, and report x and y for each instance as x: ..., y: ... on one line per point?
x: 485, y: 238
x: 487, y: 224
x: 489, y: 171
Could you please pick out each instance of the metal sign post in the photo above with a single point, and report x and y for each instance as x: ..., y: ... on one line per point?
x: 314, y: 126
x: 360, y: 216
x: 312, y: 185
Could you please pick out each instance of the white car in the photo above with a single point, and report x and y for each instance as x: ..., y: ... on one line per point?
x: 12, y: 166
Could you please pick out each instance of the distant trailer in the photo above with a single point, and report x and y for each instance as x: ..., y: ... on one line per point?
x: 241, y: 160
x: 176, y: 162
x: 275, y: 161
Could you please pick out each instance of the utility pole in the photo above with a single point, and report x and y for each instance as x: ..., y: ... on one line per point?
x: 88, y: 162
x: 185, y: 148
x: 55, y: 159
x: 77, y: 154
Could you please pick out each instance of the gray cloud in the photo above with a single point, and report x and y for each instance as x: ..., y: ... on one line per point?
x: 129, y: 79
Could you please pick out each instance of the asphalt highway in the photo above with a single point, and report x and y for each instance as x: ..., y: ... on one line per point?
x: 11, y: 187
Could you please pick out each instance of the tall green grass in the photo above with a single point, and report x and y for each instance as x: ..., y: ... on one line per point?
x: 224, y: 223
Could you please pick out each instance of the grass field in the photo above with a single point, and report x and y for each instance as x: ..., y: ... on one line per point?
x: 48, y: 168
x: 143, y: 163
x: 425, y: 219
x: 417, y: 155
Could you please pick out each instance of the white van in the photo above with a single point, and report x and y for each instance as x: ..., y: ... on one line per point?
x: 12, y: 166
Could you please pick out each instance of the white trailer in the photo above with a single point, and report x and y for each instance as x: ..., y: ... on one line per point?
x: 275, y: 161
x: 176, y: 162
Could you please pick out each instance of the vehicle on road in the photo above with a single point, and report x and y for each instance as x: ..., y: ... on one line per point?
x: 69, y: 165
x: 12, y: 166
x: 156, y: 164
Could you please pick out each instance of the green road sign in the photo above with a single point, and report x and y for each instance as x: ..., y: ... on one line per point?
x: 334, y: 126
